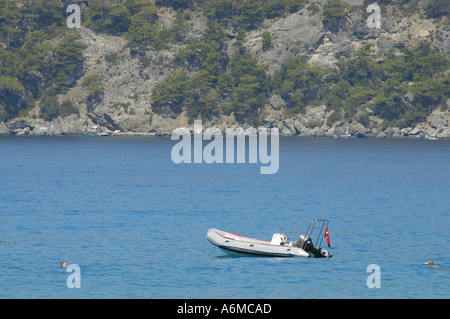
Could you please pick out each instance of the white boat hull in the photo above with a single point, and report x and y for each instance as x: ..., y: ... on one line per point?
x: 244, y: 245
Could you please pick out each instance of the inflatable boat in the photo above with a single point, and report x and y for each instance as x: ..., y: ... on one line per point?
x: 277, y: 247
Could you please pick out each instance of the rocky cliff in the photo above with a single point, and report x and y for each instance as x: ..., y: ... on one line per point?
x: 128, y: 78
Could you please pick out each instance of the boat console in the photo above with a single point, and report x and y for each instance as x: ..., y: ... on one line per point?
x: 278, y: 239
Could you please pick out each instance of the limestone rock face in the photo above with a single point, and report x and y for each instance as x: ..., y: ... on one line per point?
x: 296, y: 34
x: 4, y: 130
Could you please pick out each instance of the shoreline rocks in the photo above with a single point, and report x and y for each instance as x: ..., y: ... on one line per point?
x: 313, y: 123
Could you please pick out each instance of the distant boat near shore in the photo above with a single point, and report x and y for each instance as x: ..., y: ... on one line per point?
x: 94, y: 132
x: 44, y: 131
x: 430, y: 138
x: 98, y: 134
x: 347, y: 135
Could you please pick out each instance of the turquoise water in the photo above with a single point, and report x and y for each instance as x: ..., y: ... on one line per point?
x: 136, y: 223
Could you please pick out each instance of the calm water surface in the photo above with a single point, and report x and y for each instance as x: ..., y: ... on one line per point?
x: 136, y: 223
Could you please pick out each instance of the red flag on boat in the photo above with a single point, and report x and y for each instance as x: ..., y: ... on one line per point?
x: 327, y: 236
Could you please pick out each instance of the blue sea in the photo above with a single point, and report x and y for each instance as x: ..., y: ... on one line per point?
x: 135, y: 222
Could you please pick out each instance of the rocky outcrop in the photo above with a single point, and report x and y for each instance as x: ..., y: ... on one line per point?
x: 4, y: 130
x: 299, y: 33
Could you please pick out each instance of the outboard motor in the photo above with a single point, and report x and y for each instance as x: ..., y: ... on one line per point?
x: 305, y: 243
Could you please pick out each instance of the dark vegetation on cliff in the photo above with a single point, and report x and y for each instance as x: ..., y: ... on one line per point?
x: 40, y: 58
